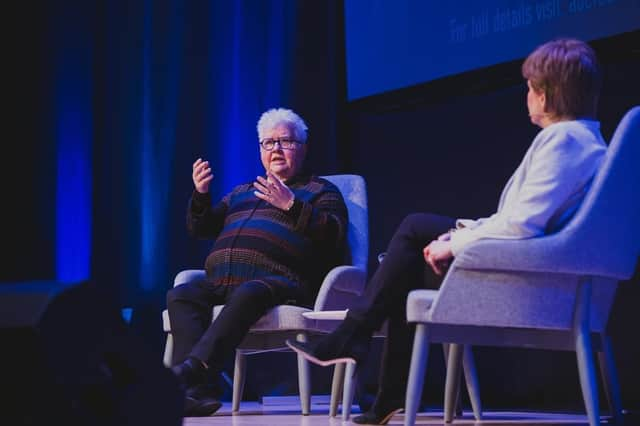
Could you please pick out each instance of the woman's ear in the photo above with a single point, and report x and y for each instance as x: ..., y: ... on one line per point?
x: 543, y: 100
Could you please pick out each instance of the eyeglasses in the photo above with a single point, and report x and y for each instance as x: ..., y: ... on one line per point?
x: 285, y: 143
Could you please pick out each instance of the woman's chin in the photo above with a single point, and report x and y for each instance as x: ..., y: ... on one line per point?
x: 280, y: 171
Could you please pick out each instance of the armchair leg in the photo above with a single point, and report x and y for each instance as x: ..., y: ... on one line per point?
x: 458, y: 406
x: 584, y: 352
x: 304, y: 381
x: 239, y: 376
x: 349, y: 389
x: 586, y: 368
x: 471, y: 379
x: 416, y: 373
x: 610, y: 378
x: 452, y: 386
x: 336, y: 388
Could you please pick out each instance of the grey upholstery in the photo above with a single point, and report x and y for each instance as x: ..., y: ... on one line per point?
x: 551, y: 292
x: 340, y: 288
x: 422, y: 305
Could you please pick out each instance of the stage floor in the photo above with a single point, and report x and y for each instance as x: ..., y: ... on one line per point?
x: 253, y: 413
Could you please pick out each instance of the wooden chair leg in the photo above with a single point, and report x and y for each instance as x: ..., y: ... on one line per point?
x: 471, y: 379
x: 419, y: 357
x: 609, y: 375
x: 336, y: 388
x: 304, y: 379
x: 584, y: 352
x: 458, y: 404
x: 452, y: 386
x: 239, y: 376
x: 350, y: 380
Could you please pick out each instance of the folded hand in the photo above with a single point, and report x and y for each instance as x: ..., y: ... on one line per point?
x: 273, y: 191
x: 438, y: 255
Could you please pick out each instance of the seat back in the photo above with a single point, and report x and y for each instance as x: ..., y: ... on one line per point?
x: 606, y: 228
x: 354, y: 192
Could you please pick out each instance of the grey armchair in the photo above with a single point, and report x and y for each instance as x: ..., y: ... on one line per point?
x: 340, y: 288
x: 552, y: 292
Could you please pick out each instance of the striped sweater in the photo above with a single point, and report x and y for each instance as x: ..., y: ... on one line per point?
x: 290, y: 251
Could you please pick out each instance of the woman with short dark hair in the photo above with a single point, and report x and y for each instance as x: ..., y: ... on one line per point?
x: 544, y: 192
x: 566, y: 71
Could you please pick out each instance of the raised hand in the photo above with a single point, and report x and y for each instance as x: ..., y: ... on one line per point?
x: 201, y: 175
x: 273, y: 191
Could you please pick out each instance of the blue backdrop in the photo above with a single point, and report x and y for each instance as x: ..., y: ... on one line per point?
x: 138, y: 91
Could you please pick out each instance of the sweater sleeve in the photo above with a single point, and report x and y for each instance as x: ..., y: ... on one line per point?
x: 204, y: 220
x: 324, y: 220
x: 560, y: 169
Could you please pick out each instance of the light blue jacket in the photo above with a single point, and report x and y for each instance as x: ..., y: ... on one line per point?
x: 546, y: 189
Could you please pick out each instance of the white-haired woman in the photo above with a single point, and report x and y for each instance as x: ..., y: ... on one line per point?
x: 274, y: 240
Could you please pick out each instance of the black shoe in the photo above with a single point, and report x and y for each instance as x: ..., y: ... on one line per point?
x: 201, y: 401
x: 379, y: 413
x: 346, y: 344
x: 191, y: 372
x: 371, y: 418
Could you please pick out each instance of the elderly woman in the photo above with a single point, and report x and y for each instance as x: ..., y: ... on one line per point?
x: 275, y: 239
x: 545, y: 190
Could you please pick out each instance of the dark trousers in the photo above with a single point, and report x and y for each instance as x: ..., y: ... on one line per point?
x: 385, y: 298
x: 190, y: 311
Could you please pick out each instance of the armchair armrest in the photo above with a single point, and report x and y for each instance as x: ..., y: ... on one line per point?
x: 555, y: 253
x: 340, y: 288
x: 189, y: 275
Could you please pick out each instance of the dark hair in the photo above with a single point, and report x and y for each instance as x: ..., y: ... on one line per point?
x: 568, y: 73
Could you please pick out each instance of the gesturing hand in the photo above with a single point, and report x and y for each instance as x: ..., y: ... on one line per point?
x: 438, y: 255
x: 273, y: 191
x: 201, y: 175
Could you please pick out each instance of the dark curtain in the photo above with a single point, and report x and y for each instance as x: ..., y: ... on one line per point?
x: 116, y: 99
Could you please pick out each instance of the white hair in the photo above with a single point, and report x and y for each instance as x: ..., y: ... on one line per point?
x: 275, y: 117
